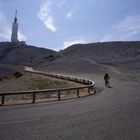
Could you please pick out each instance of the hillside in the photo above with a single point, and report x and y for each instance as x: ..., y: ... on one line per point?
x: 114, y: 53
x: 13, y: 56
x: 23, y: 54
x: 118, y: 58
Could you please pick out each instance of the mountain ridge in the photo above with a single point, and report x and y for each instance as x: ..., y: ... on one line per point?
x: 113, y: 57
x: 21, y: 54
x: 121, y: 57
x: 13, y: 56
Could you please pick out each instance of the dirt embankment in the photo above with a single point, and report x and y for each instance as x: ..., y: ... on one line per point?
x: 26, y: 81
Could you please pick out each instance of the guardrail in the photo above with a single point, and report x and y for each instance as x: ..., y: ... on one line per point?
x: 88, y: 84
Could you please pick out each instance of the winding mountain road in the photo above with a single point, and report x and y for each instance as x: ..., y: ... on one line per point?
x: 113, y: 114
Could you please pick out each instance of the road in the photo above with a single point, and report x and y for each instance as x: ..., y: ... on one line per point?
x: 113, y: 114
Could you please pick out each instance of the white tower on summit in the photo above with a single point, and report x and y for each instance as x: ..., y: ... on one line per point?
x: 14, y: 36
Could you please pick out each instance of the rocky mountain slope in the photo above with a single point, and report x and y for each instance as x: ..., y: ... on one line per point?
x: 120, y: 54
x: 117, y: 58
x: 13, y: 56
x: 23, y: 54
x: 114, y: 57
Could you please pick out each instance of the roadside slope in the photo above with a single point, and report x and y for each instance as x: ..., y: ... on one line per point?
x: 118, y: 58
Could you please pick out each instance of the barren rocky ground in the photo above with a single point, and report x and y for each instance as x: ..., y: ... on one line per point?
x: 120, y: 59
x: 28, y: 81
x: 24, y: 54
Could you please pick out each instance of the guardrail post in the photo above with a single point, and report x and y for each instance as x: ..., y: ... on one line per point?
x: 93, y: 88
x: 2, y: 100
x: 89, y: 89
x: 33, y: 97
x: 59, y: 96
x: 78, y: 93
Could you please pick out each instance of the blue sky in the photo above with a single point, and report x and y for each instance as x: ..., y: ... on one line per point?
x: 57, y: 24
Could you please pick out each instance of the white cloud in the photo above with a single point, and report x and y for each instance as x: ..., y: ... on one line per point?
x: 74, y: 8
x: 44, y: 10
x: 50, y: 10
x: 45, y: 16
x: 69, y: 43
x: 124, y: 30
x: 49, y: 22
x: 6, y: 29
x: 69, y: 14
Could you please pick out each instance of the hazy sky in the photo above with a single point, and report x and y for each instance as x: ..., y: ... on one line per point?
x: 56, y: 24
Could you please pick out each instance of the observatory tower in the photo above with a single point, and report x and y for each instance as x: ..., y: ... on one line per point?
x: 14, y: 36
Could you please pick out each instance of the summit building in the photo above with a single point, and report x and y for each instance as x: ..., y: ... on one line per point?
x: 14, y: 35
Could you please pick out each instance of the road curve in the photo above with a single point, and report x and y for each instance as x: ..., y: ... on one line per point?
x: 113, y: 114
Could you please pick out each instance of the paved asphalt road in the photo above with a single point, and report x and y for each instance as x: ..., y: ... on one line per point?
x: 113, y: 114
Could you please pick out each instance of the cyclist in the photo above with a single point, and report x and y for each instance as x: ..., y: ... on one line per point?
x: 106, y: 78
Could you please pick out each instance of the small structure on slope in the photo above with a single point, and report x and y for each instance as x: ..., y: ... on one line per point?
x: 14, y: 35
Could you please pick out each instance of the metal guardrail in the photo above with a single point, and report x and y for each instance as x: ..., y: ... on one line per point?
x: 88, y: 84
